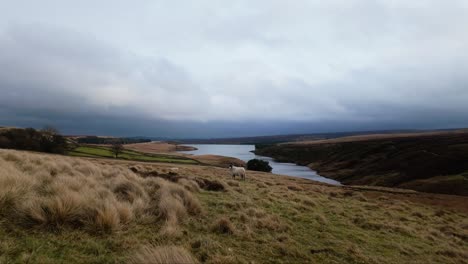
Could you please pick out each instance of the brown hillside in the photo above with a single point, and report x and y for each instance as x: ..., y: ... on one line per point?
x: 430, y: 162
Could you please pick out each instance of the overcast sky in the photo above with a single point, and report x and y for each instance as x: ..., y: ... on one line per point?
x: 233, y: 68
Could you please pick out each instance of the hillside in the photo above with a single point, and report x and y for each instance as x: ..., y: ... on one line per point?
x: 158, y: 147
x: 104, y: 151
x: 429, y: 162
x: 172, y: 148
x: 286, y: 138
x: 57, y: 209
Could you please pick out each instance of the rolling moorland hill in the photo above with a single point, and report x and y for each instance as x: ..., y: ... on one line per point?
x: 282, y: 138
x: 430, y: 162
x: 58, y: 209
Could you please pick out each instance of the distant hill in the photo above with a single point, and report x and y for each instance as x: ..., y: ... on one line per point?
x: 109, y: 140
x: 291, y: 137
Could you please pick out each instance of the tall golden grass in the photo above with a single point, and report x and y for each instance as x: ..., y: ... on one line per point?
x: 55, y: 191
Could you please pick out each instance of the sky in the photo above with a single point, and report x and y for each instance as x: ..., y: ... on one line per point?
x: 233, y: 68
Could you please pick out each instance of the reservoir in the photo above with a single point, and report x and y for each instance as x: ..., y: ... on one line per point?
x: 243, y: 152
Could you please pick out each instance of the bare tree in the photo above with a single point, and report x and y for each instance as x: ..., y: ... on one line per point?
x: 117, y: 148
x: 50, y: 130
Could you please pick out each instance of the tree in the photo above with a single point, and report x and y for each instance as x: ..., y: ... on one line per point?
x: 47, y: 140
x: 51, y: 140
x: 4, y: 142
x: 259, y: 165
x: 49, y: 131
x: 117, y: 148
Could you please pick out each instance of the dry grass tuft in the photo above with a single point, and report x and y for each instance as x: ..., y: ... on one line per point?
x: 453, y: 253
x: 189, y: 184
x: 418, y: 214
x: 321, y: 219
x: 162, y: 255
x: 107, y: 218
x: 174, y: 202
x: 309, y: 202
x: 256, y: 212
x: 271, y: 222
x: 295, y: 188
x: 223, y: 259
x: 243, y: 218
x: 58, y: 192
x: 210, y: 185
x: 239, y: 190
x: 360, y: 196
x: 224, y: 226
x: 233, y: 183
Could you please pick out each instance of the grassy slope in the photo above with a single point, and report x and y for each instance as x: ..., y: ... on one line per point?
x: 162, y: 148
x: 104, y: 152
x: 434, y: 163
x: 269, y: 218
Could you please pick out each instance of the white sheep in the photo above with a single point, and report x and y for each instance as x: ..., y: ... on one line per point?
x: 173, y: 171
x: 237, y: 171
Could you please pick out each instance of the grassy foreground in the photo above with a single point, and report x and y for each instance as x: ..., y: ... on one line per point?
x: 76, y: 210
x: 105, y: 152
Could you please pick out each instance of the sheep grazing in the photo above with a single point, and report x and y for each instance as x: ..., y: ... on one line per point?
x: 237, y: 171
x: 174, y: 171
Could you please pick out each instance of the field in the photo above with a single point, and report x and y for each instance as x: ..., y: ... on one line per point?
x: 429, y: 162
x: 83, y: 210
x: 161, y: 148
x: 157, y: 147
x: 104, y: 152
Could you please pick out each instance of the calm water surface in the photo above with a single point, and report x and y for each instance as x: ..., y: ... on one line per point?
x: 242, y: 152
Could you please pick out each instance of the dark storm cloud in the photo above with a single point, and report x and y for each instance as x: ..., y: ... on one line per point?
x: 56, y: 70
x: 239, y: 68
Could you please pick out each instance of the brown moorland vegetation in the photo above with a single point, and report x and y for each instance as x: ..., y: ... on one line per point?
x: 84, y: 210
x: 369, y: 137
x: 429, y: 162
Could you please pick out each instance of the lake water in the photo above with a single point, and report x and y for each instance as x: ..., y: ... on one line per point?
x: 243, y: 152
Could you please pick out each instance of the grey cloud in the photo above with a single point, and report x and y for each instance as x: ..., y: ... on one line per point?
x: 54, y: 69
x: 238, y: 67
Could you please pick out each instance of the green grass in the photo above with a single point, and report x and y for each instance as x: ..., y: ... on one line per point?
x: 105, y: 152
x: 272, y: 223
x: 19, y: 245
x: 339, y: 237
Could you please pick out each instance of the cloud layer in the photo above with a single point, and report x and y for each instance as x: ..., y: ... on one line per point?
x: 206, y: 68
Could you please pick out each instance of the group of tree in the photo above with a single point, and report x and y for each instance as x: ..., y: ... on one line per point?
x: 259, y: 165
x: 45, y: 140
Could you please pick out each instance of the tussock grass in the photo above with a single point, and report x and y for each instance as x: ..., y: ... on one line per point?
x: 163, y: 255
x: 233, y: 183
x: 224, y: 226
x: 295, y: 187
x: 58, y: 192
x: 189, y: 184
x: 174, y: 202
